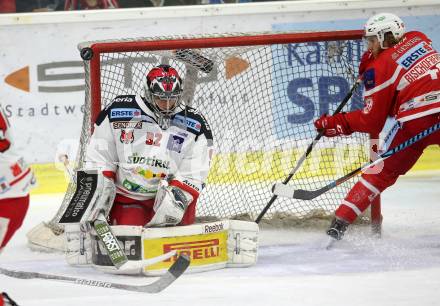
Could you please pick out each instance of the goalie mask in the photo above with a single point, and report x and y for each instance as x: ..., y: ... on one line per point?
x: 383, y: 23
x: 163, y: 90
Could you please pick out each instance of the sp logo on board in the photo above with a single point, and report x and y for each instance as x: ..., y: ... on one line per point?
x: 54, y: 77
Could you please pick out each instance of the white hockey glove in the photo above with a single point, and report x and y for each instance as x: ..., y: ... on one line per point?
x: 169, y: 206
x: 78, y: 244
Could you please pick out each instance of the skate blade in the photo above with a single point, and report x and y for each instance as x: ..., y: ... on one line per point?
x: 331, y: 241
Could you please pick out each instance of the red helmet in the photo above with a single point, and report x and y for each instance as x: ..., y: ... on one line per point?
x: 164, y: 83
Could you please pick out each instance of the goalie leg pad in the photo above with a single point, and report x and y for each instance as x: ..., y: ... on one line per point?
x: 242, y: 244
x: 210, y: 246
x: 78, y: 244
x: 129, y: 238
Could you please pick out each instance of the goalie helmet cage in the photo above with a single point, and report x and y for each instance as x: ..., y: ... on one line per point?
x: 259, y: 93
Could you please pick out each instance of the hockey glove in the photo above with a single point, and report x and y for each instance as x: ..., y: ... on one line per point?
x: 333, y: 125
x: 170, y: 205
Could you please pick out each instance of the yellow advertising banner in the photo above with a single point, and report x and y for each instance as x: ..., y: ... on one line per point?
x: 202, y: 249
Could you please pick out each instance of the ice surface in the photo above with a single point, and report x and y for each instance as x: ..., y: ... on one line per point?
x: 401, y: 268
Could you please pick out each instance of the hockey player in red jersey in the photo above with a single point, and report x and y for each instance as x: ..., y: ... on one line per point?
x: 16, y: 178
x: 401, y: 77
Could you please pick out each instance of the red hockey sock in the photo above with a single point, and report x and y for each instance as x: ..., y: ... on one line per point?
x: 357, y: 200
x: 12, y: 213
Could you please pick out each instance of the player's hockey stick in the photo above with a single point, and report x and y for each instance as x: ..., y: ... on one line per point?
x: 290, y: 191
x: 174, y: 272
x: 307, y: 152
x: 8, y: 299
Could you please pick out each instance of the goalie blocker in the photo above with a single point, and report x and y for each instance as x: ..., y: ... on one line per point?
x: 210, y: 246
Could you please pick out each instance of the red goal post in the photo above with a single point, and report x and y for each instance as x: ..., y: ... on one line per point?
x: 277, y: 81
x: 198, y: 43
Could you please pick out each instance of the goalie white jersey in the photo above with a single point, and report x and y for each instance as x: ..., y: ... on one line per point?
x: 129, y: 142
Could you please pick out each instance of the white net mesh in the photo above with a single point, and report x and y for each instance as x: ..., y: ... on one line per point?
x: 260, y: 102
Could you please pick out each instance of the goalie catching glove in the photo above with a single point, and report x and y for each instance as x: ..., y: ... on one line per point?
x: 333, y: 125
x: 170, y: 205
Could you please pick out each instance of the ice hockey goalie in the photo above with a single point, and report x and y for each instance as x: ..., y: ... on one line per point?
x: 145, y: 167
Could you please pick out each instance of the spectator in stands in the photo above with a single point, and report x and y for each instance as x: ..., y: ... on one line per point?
x: 224, y: 1
x: 26, y: 6
x: 7, y: 6
x: 140, y: 3
x: 149, y: 3
x: 90, y: 4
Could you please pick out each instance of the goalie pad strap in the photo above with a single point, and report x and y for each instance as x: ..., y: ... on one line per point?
x: 78, y: 244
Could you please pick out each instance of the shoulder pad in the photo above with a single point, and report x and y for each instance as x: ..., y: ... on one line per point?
x: 124, y: 99
x: 121, y: 108
x: 101, y: 117
x: 194, y: 121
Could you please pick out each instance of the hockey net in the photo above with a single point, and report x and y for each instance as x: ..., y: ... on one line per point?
x: 260, y: 94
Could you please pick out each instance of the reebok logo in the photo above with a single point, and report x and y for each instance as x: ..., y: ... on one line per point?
x: 213, y: 228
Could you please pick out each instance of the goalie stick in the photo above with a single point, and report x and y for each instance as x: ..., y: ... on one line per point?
x: 136, y: 265
x: 308, y: 151
x: 114, y: 249
x: 173, y: 273
x: 289, y: 191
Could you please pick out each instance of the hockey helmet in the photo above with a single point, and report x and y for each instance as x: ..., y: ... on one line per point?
x: 163, y: 84
x: 380, y: 24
